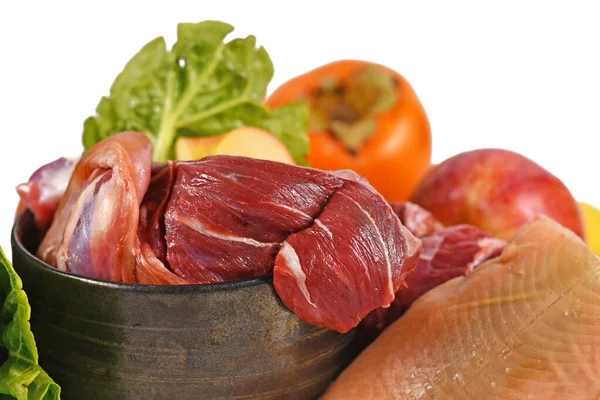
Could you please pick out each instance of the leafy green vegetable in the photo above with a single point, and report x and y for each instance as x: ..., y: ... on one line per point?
x: 21, y: 377
x: 202, y: 87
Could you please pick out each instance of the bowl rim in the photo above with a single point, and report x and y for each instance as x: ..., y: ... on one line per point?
x: 18, y: 246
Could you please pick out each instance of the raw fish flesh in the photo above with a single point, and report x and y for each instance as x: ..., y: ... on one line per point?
x: 524, y: 325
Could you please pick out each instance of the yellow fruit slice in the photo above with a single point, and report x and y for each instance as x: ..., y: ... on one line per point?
x: 256, y: 143
x: 591, y: 219
x: 187, y: 148
x: 244, y: 141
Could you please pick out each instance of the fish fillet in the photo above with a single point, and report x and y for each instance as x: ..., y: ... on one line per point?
x: 525, y: 325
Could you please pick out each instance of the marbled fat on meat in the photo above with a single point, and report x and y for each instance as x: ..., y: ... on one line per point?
x: 228, y: 216
x: 417, y: 219
x: 448, y: 252
x: 350, y: 262
x: 334, y: 246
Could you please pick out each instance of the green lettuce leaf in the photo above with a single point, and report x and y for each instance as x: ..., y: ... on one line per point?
x: 21, y: 377
x: 203, y: 86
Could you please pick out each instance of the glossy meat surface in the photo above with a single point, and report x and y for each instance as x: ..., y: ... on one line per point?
x: 447, y: 253
x: 228, y: 216
x: 335, y: 248
x: 151, y: 257
x: 44, y: 190
x: 523, y: 325
x: 417, y: 219
x: 94, y: 230
x: 357, y: 253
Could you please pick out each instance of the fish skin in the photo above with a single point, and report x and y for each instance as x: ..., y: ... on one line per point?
x: 525, y: 325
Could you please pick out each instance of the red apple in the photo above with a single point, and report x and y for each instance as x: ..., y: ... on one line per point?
x: 496, y: 190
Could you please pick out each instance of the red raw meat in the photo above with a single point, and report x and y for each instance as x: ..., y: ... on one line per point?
x: 42, y: 193
x: 334, y: 246
x: 417, y: 219
x: 94, y: 230
x: 349, y: 262
x: 151, y: 256
x: 346, y: 252
x: 228, y: 216
x: 451, y: 252
x: 447, y: 253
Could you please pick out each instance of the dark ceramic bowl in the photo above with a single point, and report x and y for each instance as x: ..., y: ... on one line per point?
x: 106, y: 340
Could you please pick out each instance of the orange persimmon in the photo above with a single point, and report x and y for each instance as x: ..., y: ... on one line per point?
x: 365, y: 117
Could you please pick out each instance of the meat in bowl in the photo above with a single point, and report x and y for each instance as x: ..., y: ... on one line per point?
x: 334, y: 246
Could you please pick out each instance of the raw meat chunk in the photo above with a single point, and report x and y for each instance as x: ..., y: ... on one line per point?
x: 94, y: 230
x: 44, y: 190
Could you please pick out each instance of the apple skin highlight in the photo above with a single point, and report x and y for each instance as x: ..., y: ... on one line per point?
x: 498, y: 191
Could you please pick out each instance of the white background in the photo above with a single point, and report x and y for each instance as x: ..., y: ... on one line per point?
x: 519, y: 75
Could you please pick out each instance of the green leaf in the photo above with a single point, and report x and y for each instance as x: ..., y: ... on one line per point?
x: 203, y: 86
x: 288, y: 123
x: 44, y: 388
x: 21, y: 377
